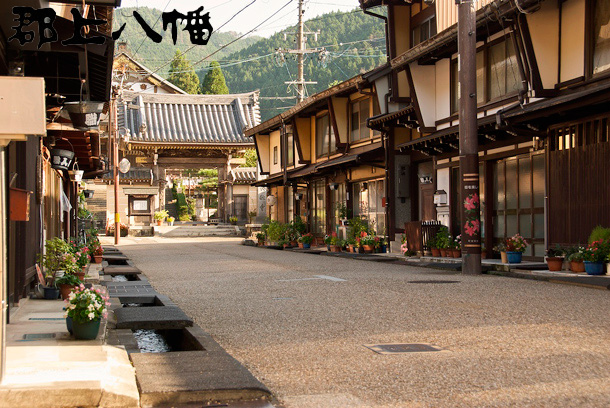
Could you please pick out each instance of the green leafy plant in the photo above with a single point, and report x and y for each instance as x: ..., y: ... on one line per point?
x: 260, y: 236
x: 233, y: 219
x: 68, y: 279
x: 299, y: 225
x: 307, y: 238
x: 556, y: 252
x: 57, y: 256
x: 597, y: 251
x: 443, y: 238
x: 577, y: 256
x: 171, y: 219
x: 160, y: 215
x: 599, y: 233
x: 516, y: 243
x: 87, y: 304
x: 356, y: 226
x: 274, y: 231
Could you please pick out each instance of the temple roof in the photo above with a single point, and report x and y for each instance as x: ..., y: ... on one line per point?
x: 188, y: 119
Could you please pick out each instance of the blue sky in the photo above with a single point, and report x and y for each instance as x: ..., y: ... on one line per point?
x: 222, y: 10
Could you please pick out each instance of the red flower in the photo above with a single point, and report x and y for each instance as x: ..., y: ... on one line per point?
x: 469, y: 204
x: 468, y: 229
x: 334, y: 234
x: 475, y: 198
x: 363, y: 234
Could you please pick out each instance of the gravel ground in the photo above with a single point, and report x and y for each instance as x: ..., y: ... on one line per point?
x: 509, y: 342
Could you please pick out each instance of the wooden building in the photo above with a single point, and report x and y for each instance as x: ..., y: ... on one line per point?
x: 542, y: 92
x: 37, y: 82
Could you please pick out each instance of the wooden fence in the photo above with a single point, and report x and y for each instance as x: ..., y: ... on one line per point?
x: 419, y: 232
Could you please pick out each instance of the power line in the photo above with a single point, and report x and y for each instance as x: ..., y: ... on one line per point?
x: 153, y: 26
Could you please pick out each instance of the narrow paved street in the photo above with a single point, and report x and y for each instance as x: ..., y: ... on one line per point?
x: 509, y: 342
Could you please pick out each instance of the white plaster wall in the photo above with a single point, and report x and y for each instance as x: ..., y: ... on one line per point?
x: 424, y: 80
x: 274, y: 141
x: 572, y: 40
x: 443, y: 89
x: 545, y: 38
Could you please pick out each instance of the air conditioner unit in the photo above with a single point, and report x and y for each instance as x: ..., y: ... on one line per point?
x: 271, y: 200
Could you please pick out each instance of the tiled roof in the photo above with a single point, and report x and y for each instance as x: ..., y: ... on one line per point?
x: 134, y: 174
x: 188, y: 119
x: 245, y: 175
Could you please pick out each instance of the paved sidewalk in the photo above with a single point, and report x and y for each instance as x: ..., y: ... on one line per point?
x: 46, y: 367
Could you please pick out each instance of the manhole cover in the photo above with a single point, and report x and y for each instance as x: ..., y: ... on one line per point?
x: 396, y: 348
x: 434, y: 281
x: 38, y: 336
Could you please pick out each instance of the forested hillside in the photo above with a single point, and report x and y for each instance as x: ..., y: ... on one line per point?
x: 153, y: 55
x: 355, y: 43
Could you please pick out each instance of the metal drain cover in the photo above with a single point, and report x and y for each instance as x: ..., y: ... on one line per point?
x: 434, y: 281
x: 38, y: 336
x: 397, y: 348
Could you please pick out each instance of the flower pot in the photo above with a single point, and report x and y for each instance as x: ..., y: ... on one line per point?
x: 261, y: 243
x: 335, y: 248
x: 384, y: 249
x: 285, y: 246
x: 456, y: 253
x: 514, y: 257
x: 595, y: 268
x: 300, y: 245
x: 65, y: 290
x: 368, y: 249
x: 97, y: 259
x: 503, y: 257
x: 351, y: 248
x: 87, y: 330
x: 555, y: 263
x: 76, y: 175
x: 577, y: 266
x: 306, y: 246
x: 328, y: 247
x: 443, y: 252
x: 69, y: 324
x: 81, y: 275
x: 294, y: 243
x: 170, y: 223
x: 435, y: 252
x: 51, y: 293
x: 159, y: 222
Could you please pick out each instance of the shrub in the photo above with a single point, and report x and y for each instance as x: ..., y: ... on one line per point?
x: 274, y: 231
x: 599, y: 233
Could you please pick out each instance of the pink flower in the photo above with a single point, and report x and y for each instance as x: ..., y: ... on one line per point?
x: 475, y: 198
x: 363, y: 234
x: 468, y: 229
x: 469, y: 204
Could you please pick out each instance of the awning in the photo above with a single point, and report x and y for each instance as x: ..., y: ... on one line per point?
x: 269, y: 181
x: 376, y: 121
x: 355, y: 156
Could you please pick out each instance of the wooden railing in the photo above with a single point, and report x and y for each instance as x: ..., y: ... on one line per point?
x: 419, y: 232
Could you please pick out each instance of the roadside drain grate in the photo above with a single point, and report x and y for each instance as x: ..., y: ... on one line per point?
x: 47, y: 318
x: 434, y: 281
x: 38, y: 336
x: 398, y: 348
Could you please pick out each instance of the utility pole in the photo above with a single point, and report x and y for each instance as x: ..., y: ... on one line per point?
x: 115, y: 164
x: 301, y: 51
x: 469, y: 144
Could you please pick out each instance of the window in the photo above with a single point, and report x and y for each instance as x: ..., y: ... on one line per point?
x: 601, y: 36
x: 319, y: 207
x: 424, y: 31
x: 497, y: 73
x: 360, y: 113
x: 369, y: 203
x: 274, y: 154
x: 325, y: 136
x: 290, y: 142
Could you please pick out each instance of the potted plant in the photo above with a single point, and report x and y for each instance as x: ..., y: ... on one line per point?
x: 81, y: 258
x: 432, y: 245
x: 501, y: 249
x: 327, y: 239
x: 233, y: 220
x: 170, y: 221
x: 251, y: 215
x: 306, y: 240
x: 382, y: 245
x: 283, y: 243
x: 577, y: 261
x: 442, y: 240
x: 334, y: 243
x: 260, y: 237
x: 67, y: 282
x: 342, y: 210
x: 483, y: 252
x: 160, y: 216
x: 554, y: 258
x: 594, y: 255
x: 54, y: 259
x: 515, y: 246
x: 86, y: 307
x: 456, y: 247
x: 351, y: 244
x: 368, y: 242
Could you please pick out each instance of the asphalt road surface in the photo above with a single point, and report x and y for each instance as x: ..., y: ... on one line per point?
x: 300, y: 323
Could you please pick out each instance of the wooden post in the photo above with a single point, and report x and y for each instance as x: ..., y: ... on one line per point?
x: 469, y: 144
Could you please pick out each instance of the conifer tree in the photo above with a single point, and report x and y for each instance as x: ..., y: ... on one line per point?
x: 214, y: 81
x: 182, y: 74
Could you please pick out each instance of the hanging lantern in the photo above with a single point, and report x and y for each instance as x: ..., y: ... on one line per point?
x: 61, y: 159
x: 76, y: 174
x: 85, y: 115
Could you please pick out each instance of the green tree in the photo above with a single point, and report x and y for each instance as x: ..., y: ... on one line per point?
x: 182, y: 74
x: 214, y: 81
x: 251, y: 158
